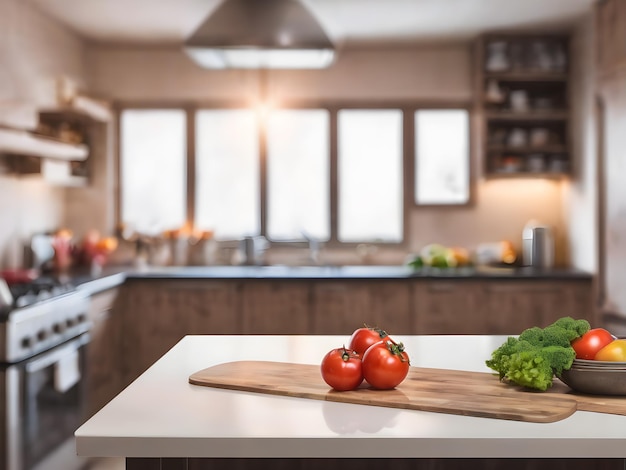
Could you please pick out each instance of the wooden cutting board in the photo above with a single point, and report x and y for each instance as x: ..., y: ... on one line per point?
x: 438, y: 390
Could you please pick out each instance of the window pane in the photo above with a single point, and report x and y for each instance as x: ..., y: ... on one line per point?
x: 298, y: 174
x: 153, y: 169
x: 227, y: 173
x: 370, y: 175
x: 442, y: 156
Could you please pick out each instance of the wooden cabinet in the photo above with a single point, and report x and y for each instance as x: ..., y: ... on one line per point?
x: 448, y: 307
x: 159, y: 313
x: 339, y: 307
x: 499, y: 306
x: 610, y: 36
x: 104, y: 376
x: 516, y: 305
x: 611, y: 117
x: 156, y: 314
x: 276, y: 307
x: 523, y: 99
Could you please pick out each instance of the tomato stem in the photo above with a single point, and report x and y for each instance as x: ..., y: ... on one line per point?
x: 396, y: 349
x: 381, y: 333
x: 345, y: 354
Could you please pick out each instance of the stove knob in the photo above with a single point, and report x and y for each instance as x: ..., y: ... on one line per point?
x: 27, y: 342
x: 42, y: 335
x: 58, y: 328
x: 70, y: 322
x: 82, y: 318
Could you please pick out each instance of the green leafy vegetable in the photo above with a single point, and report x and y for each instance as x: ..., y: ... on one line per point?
x: 532, y: 359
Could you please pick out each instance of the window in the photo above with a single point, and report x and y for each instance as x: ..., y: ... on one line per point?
x: 329, y: 173
x: 153, y: 169
x: 370, y: 175
x: 298, y: 171
x: 441, y: 156
x: 227, y: 173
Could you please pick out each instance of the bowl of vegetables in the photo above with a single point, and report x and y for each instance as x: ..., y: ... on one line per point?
x: 591, y: 361
x: 600, y: 364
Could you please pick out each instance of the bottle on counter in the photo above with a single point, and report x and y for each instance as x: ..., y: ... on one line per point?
x: 537, y: 245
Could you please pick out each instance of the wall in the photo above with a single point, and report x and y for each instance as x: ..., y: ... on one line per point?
x: 33, y: 52
x: 431, y: 72
x: 162, y: 74
x: 580, y: 198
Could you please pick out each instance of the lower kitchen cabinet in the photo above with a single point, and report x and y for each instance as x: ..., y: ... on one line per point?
x: 340, y: 307
x: 513, y: 306
x: 104, y: 377
x: 448, y: 307
x: 275, y: 307
x: 156, y: 313
x: 499, y: 306
x: 159, y: 313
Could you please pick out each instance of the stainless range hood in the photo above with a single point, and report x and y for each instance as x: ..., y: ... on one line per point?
x: 257, y: 34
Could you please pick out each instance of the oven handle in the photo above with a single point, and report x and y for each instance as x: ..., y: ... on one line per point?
x: 54, y: 355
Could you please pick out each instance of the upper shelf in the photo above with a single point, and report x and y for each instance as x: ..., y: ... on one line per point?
x: 20, y: 142
x: 548, y: 115
x: 530, y: 76
x: 81, y: 108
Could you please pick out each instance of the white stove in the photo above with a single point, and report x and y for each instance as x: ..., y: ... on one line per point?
x: 44, y: 334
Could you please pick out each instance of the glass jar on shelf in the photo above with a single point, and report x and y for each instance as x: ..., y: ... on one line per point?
x: 497, y: 59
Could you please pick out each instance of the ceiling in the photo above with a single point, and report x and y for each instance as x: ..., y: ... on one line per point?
x: 356, y: 21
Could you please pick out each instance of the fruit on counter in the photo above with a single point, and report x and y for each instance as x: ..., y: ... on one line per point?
x: 341, y: 369
x: 440, y: 256
x: 95, y: 248
x: 458, y: 256
x: 613, y: 351
x: 538, y: 354
x: 385, y: 364
x: 495, y: 253
x: 62, y: 244
x: 588, y: 345
x: 364, y: 337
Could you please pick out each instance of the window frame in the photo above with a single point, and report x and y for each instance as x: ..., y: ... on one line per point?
x: 407, y: 108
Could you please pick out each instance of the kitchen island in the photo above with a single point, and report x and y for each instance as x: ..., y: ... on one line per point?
x: 161, y: 419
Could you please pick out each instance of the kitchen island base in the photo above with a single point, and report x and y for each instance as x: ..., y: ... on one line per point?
x: 373, y: 464
x: 161, y: 416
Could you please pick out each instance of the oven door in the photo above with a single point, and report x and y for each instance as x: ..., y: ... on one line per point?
x: 48, y: 403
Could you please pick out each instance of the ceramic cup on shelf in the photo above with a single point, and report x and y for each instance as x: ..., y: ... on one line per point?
x: 536, y: 163
x: 539, y: 137
x: 518, y: 137
x: 519, y: 100
x: 497, y: 58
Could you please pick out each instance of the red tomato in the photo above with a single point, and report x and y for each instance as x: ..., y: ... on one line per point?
x: 363, y: 338
x: 591, y: 342
x: 385, y: 364
x: 341, y: 369
x: 614, y: 351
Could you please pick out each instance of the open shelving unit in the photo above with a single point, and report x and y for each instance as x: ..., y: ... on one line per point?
x: 523, y: 103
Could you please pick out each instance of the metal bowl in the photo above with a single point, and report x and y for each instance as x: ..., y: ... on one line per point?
x: 596, y: 381
x: 592, y: 364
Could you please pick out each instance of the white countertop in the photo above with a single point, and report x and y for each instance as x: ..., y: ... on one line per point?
x: 162, y: 415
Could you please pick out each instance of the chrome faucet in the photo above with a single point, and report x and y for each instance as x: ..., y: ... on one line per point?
x: 314, y: 248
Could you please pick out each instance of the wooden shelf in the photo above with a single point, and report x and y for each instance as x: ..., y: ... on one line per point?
x: 535, y: 116
x: 81, y: 109
x: 527, y: 149
x: 19, y: 142
x: 528, y: 174
x: 530, y: 76
x: 537, y: 77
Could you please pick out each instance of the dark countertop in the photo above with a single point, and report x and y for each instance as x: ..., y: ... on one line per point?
x: 113, y: 277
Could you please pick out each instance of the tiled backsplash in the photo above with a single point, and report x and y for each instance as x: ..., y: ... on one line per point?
x: 27, y: 206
